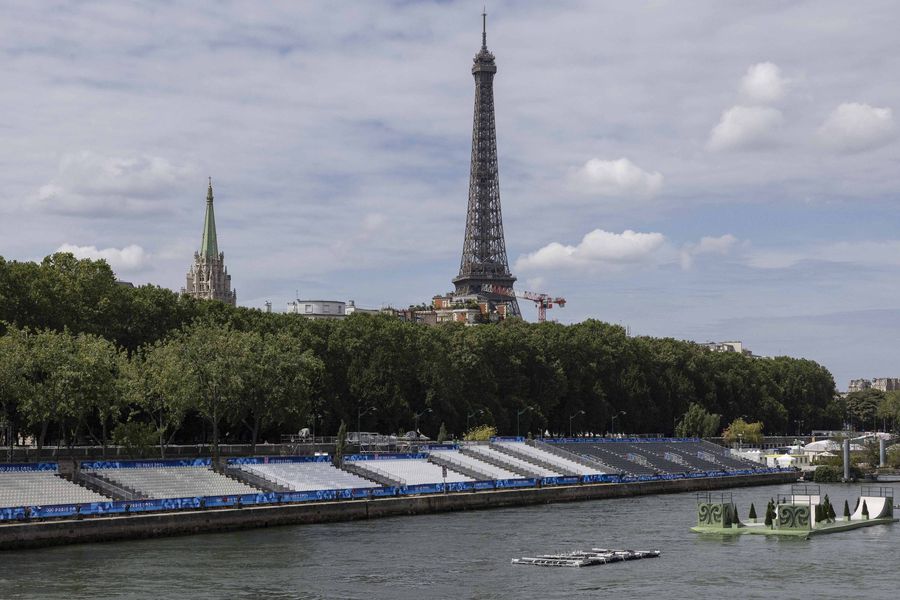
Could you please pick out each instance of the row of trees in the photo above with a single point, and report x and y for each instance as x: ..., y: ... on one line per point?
x: 84, y: 358
x: 870, y: 409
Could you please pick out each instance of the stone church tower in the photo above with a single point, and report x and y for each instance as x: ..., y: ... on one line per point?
x: 208, y: 278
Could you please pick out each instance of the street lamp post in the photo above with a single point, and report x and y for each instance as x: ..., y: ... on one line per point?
x: 519, y: 414
x: 472, y: 414
x: 359, y: 415
x: 580, y: 412
x: 416, y: 417
x: 613, y: 423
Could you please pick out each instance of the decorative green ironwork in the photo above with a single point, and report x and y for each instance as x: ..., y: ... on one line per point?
x: 792, y: 516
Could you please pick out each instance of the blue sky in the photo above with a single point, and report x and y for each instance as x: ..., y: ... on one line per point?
x: 703, y: 170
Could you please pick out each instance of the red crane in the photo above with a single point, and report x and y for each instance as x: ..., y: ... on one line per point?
x: 541, y: 300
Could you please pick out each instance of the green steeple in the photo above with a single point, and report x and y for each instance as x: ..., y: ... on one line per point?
x: 209, y: 247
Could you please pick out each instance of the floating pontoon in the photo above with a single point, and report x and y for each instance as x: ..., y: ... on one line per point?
x: 582, y: 558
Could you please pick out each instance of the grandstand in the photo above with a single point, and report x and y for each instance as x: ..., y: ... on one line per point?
x: 556, y: 462
x: 174, y: 481
x: 486, y: 470
x: 663, y: 457
x: 410, y: 471
x: 30, y: 488
x: 307, y: 476
x: 37, y: 491
x: 508, y: 461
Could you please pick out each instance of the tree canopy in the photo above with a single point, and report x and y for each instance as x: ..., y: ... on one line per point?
x: 81, y: 354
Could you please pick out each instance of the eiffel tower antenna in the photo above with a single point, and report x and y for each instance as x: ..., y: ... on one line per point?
x: 484, y: 261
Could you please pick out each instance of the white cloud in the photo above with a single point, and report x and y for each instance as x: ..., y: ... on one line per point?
x: 720, y: 245
x: 763, y: 83
x: 745, y: 128
x: 88, y: 183
x: 854, y: 127
x: 129, y: 259
x: 598, y: 249
x: 615, y: 178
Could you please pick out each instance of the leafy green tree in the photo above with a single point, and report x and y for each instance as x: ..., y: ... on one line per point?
x: 863, y: 407
x: 211, y: 354
x: 157, y: 385
x: 752, y: 514
x: 741, y: 431
x: 15, y: 385
x: 889, y: 410
x: 340, y: 446
x: 697, y: 422
x: 481, y: 433
x: 278, y: 378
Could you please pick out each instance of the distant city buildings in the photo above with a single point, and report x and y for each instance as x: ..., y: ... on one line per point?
x: 883, y: 384
x: 327, y: 309
x: 208, y: 279
x: 737, y: 347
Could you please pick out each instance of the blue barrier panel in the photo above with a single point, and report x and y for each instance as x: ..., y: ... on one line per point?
x: 603, y: 440
x: 269, y: 460
x: 144, y: 464
x: 484, y: 485
x: 697, y: 475
x: 507, y: 439
x: 424, y: 488
x: 515, y: 483
x: 56, y: 510
x: 12, y: 514
x: 384, y: 491
x: 315, y: 495
x: 601, y: 478
x: 716, y: 473
x: 459, y: 486
x: 19, y: 467
x: 386, y: 456
x: 559, y: 480
x: 430, y: 447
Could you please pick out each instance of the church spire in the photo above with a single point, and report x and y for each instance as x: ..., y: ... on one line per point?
x: 209, y: 247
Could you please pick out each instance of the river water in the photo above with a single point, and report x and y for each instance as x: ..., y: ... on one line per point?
x: 467, y: 555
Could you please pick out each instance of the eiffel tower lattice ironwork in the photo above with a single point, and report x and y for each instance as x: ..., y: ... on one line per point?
x: 484, y: 261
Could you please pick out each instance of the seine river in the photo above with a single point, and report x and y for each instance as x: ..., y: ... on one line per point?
x: 467, y: 555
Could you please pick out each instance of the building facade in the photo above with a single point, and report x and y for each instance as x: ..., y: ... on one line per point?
x: 208, y: 279
x: 884, y: 384
x: 318, y: 309
x: 736, y: 347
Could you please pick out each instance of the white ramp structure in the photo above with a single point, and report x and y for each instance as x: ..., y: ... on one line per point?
x: 878, y: 507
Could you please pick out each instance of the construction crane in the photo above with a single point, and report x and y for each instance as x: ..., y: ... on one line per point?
x: 541, y: 300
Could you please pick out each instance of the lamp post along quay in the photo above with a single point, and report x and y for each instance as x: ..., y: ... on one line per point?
x: 613, y: 420
x: 359, y: 415
x: 519, y: 414
x: 579, y: 413
x: 472, y: 414
x: 416, y: 418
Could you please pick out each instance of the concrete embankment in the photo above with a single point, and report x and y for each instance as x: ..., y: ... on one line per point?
x: 69, y: 531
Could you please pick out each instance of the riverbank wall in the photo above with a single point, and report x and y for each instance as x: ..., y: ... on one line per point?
x: 17, y: 535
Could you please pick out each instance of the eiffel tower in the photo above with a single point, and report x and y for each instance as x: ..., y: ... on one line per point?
x: 484, y: 261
